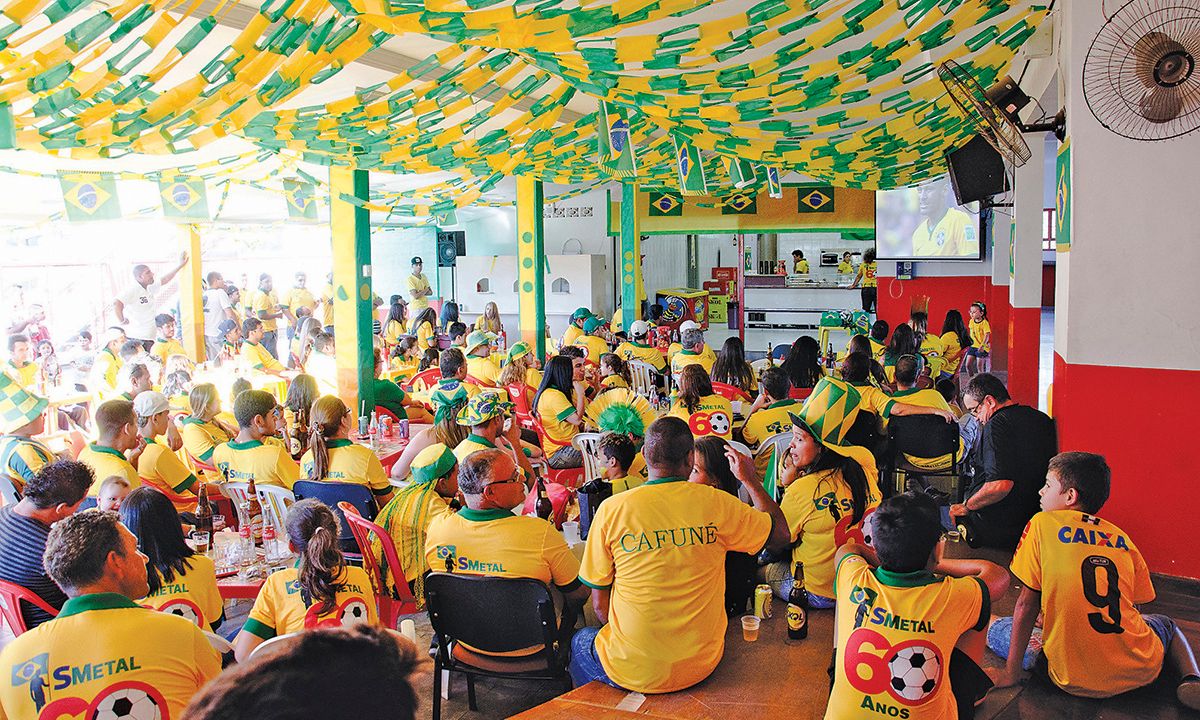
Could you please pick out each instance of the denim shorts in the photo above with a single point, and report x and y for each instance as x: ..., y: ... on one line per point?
x: 585, y: 664
x: 999, y: 637
x: 976, y: 352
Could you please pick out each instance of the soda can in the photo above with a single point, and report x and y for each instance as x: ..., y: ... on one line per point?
x: 364, y: 423
x: 386, y: 420
x: 762, y: 601
x: 403, y: 428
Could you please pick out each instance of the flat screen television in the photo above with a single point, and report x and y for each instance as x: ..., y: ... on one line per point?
x: 926, y: 223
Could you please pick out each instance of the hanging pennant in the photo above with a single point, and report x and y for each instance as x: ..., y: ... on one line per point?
x: 300, y: 202
x: 741, y: 172
x: 90, y: 196
x: 183, y: 198
x: 691, y: 170
x: 774, y: 187
x: 614, y: 146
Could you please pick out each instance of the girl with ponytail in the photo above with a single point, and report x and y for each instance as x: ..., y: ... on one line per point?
x: 332, y: 457
x: 331, y: 593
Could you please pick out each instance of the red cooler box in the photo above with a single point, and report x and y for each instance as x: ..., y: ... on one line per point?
x: 680, y: 304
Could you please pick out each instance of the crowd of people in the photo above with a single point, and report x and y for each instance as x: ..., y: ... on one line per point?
x: 716, y: 474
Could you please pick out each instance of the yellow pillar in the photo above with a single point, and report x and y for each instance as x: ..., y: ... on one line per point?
x: 191, y: 295
x: 531, y: 264
x: 350, y: 228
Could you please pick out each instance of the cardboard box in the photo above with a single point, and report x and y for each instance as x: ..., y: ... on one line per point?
x: 724, y: 273
x: 718, y: 309
x: 716, y: 287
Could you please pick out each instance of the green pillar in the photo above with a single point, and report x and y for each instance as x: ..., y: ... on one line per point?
x: 531, y: 264
x: 350, y: 226
x: 693, y: 259
x: 631, y: 257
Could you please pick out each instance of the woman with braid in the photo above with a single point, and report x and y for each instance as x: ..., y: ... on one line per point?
x: 332, y: 457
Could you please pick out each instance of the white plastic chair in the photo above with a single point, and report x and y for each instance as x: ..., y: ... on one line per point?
x: 779, y: 442
x: 275, y: 502
x: 237, y: 493
x: 740, y: 447
x: 220, y: 644
x: 273, y: 641
x: 641, y: 375
x: 588, y: 444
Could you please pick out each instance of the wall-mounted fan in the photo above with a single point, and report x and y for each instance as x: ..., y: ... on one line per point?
x: 982, y: 113
x: 1140, y: 78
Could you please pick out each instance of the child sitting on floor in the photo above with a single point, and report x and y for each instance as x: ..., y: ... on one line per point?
x: 1087, y: 577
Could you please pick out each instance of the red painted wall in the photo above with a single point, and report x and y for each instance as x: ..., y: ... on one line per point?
x: 1154, y: 489
x: 945, y: 293
x: 1024, y: 353
x: 998, y: 312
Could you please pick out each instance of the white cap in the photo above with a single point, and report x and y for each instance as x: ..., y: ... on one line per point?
x: 688, y: 325
x: 111, y: 334
x: 639, y: 328
x: 150, y: 403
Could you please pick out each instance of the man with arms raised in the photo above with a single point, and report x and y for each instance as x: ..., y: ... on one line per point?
x: 655, y: 560
x: 138, y: 305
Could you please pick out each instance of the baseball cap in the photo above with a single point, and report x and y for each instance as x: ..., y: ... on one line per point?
x: 688, y: 325
x: 111, y: 334
x: 227, y: 326
x: 417, y: 259
x: 639, y: 328
x: 150, y: 402
x: 581, y: 313
x: 591, y: 324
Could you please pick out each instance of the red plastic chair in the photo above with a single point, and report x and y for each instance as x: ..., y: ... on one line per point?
x: 799, y: 393
x: 518, y: 393
x: 485, y: 384
x: 383, y: 412
x: 11, y: 597
x: 224, y: 504
x: 429, y: 377
x: 567, y: 477
x: 730, y: 392
x: 398, y: 601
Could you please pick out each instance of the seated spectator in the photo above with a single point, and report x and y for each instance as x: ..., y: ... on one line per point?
x: 231, y: 341
x: 1135, y: 648
x: 106, y: 368
x: 453, y: 385
x: 662, y: 599
x: 432, y: 486
x: 593, y: 340
x: 369, y: 669
x: 521, y: 368
x: 941, y: 606
x: 903, y: 342
x: 625, y: 414
x: 770, y: 414
x: 692, y: 352
x: 24, y: 416
x: 321, y: 363
x: 391, y: 396
x: 396, y: 324
x: 297, y: 407
x: 583, y: 376
x: 705, y: 412
x: 732, y: 369
x: 486, y: 534
x: 157, y: 466
x: 165, y: 343
x: 614, y: 373
x: 931, y: 347
x: 617, y: 452
x: 457, y: 332
x: 575, y: 326
x: 640, y: 348
x: 874, y: 375
x: 202, y: 432
x: 675, y: 347
x: 247, y: 456
x: 405, y: 357
x: 879, y: 338
x: 118, y: 434
x: 831, y: 489
x: 559, y: 412
x: 154, y: 658
x: 956, y: 340
x: 135, y: 379
x: 256, y: 355
x: 480, y: 365
x: 182, y: 582
x: 424, y: 327
x: 1010, y: 464
x: 908, y: 369
x: 320, y: 591
x: 53, y: 493
x: 489, y: 321
x: 489, y: 417
x: 333, y: 457
x: 715, y: 467
x: 113, y: 491
x: 445, y: 430
x: 803, y: 367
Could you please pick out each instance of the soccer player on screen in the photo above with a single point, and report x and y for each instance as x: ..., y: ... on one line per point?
x: 944, y: 231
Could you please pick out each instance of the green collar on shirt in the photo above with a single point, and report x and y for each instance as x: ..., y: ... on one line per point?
x: 639, y: 345
x: 339, y: 443
x: 248, y: 445
x: 480, y: 440
x: 781, y: 403
x: 661, y: 480
x: 902, y: 393
x: 106, y: 450
x: 485, y: 515
x: 690, y: 352
x: 905, y: 580
x: 95, y: 601
x: 192, y: 421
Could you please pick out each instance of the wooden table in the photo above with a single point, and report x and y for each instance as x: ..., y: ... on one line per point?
x: 764, y: 679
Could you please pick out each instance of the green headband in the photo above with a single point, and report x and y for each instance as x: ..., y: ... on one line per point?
x: 435, y: 471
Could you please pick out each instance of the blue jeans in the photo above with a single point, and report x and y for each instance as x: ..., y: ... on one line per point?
x: 815, y: 602
x: 999, y: 637
x: 585, y: 664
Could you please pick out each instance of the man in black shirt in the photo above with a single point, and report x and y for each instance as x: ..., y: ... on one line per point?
x: 1010, y: 462
x: 54, y: 493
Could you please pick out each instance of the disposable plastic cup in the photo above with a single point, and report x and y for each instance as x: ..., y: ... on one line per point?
x: 750, y: 625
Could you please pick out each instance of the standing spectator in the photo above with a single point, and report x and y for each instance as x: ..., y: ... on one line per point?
x: 138, y: 305
x: 419, y: 291
x: 266, y: 307
x: 107, y: 367
x: 867, y: 280
x: 20, y: 360
x: 217, y: 308
x: 297, y: 299
x: 1010, y: 464
x: 54, y: 493
x: 157, y: 659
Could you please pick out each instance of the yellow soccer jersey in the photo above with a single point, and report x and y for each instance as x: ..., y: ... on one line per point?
x: 420, y: 284
x: 22, y: 457
x: 762, y: 424
x: 193, y: 595
x: 268, y: 464
x: 470, y: 444
x: 661, y: 548
x: 484, y: 370
x: 896, y: 632
x: 845, y: 268
x: 713, y: 416
x: 637, y: 469
x: 675, y: 348
x: 27, y: 374
x: 279, y: 608
x: 105, y: 657
x: 268, y: 303
x: 327, y: 305
x: 392, y: 331
x: 162, y: 470
x: 201, y: 438
x: 163, y: 349
x: 952, y: 353
x: 553, y: 409
x: 257, y: 357
x: 683, y: 358
x: 106, y: 462
x: 297, y: 298
x: 820, y: 511
x: 1091, y: 577
x: 595, y: 347
x: 631, y: 351
x: 350, y: 463
x: 800, y: 267
x: 629, y: 482
x: 613, y: 382
x: 500, y: 544
x: 426, y: 339
x: 955, y: 235
x: 980, y: 335
x: 572, y: 334
x: 107, y: 370
x: 867, y: 274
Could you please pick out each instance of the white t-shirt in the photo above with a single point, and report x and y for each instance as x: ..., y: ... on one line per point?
x: 141, y: 305
x: 216, y: 302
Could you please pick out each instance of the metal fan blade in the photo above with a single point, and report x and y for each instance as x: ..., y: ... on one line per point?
x: 1160, y: 104
x: 1146, y: 53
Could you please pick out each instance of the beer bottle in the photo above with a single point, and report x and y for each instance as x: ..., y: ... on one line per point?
x: 543, y: 507
x: 829, y: 357
x: 254, y: 513
x: 204, y: 513
x: 797, y: 606
x: 770, y: 360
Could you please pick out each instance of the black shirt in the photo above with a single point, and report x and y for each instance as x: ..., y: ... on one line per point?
x: 1016, y: 444
x: 22, y: 542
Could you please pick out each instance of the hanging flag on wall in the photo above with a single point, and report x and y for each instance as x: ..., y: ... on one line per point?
x: 1062, y: 198
x: 90, y: 196
x: 665, y: 205
x: 691, y: 170
x: 614, y: 146
x: 741, y: 172
x: 814, y: 199
x: 301, y: 204
x: 774, y: 187
x: 740, y: 204
x: 183, y: 198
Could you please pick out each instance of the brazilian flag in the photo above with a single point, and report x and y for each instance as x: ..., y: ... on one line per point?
x: 301, y: 204
x: 90, y: 196
x: 815, y: 199
x: 740, y: 204
x: 665, y: 205
x: 690, y: 167
x: 183, y: 198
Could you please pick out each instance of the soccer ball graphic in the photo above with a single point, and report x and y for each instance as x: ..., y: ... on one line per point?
x: 915, y: 671
x: 720, y: 423
x: 354, y: 613
x: 128, y: 704
x: 183, y: 610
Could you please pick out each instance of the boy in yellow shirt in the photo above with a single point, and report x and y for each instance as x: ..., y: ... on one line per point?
x: 247, y: 456
x: 575, y: 326
x: 480, y: 365
x: 1096, y: 643
x: 20, y: 360
x: 592, y: 341
x: 617, y: 452
x: 118, y: 434
x: 165, y: 345
x: 769, y: 415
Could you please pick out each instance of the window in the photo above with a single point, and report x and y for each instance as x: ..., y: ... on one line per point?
x: 560, y: 286
x: 484, y: 286
x: 1049, y: 221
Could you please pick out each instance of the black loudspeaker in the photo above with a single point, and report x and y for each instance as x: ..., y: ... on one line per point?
x: 976, y: 171
x: 449, y: 246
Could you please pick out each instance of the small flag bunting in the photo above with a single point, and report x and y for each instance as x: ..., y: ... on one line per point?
x: 614, y: 145
x: 691, y: 169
